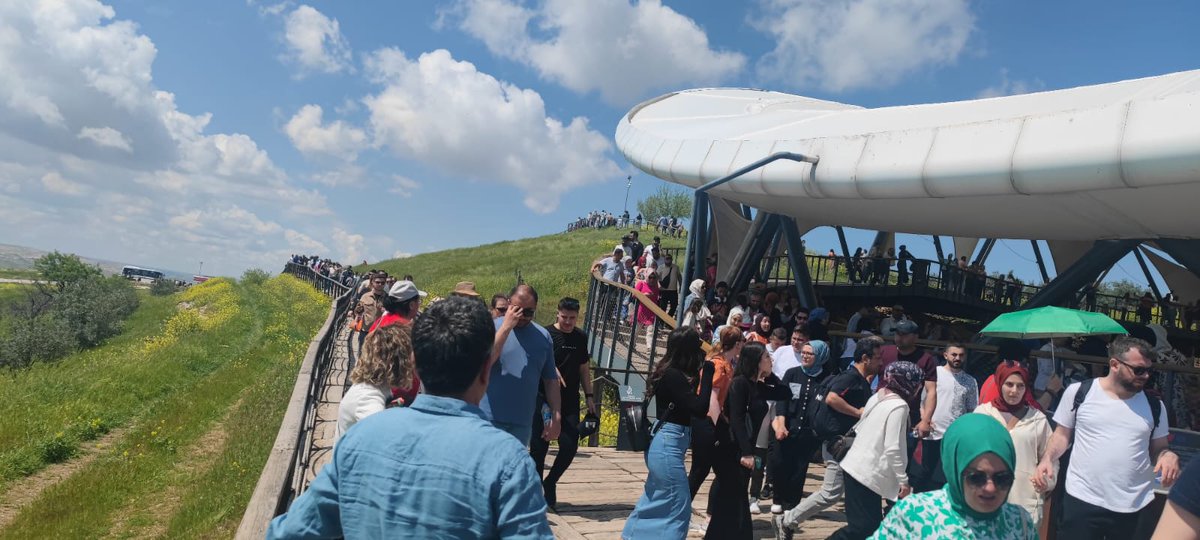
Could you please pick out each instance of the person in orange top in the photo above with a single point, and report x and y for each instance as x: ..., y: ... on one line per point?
x: 712, y: 444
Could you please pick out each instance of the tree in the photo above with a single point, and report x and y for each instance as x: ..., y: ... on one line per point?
x: 62, y: 269
x: 666, y: 202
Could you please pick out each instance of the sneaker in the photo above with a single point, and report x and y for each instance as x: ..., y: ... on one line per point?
x: 768, y: 492
x: 754, y: 509
x: 782, y: 532
x: 776, y: 509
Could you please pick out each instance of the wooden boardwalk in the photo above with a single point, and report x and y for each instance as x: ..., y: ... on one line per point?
x: 599, y: 490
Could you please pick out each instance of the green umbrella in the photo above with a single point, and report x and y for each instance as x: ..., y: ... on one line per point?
x: 1051, y: 322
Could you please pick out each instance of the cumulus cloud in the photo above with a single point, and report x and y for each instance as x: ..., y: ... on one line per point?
x: 399, y: 254
x: 76, y: 84
x: 403, y: 185
x: 353, y: 246
x: 315, y: 42
x: 55, y: 183
x: 619, y: 49
x: 1011, y: 87
x: 310, y: 135
x: 844, y: 44
x: 446, y: 113
x: 106, y: 137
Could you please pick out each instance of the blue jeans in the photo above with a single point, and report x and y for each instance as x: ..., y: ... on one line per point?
x: 666, y: 504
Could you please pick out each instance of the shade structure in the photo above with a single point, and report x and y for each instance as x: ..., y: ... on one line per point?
x: 1051, y: 322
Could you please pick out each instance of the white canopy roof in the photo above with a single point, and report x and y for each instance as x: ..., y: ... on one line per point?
x: 1118, y: 160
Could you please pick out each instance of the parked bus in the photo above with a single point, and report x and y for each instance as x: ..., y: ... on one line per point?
x: 141, y: 274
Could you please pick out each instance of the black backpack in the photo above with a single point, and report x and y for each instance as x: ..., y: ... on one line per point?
x: 1086, y: 386
x: 824, y: 419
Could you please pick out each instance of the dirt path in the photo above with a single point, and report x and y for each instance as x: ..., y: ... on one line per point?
x: 24, y: 492
x: 196, y: 460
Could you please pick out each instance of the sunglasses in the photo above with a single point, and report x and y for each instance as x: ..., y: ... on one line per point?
x: 527, y: 312
x: 979, y: 479
x: 1137, y: 370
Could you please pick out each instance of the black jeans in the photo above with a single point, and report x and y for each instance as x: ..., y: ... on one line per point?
x: 927, y: 475
x: 668, y: 301
x: 703, y: 447
x: 789, y: 468
x: 864, y: 512
x: 1087, y: 521
x: 756, y: 478
x: 568, y: 443
x: 727, y: 502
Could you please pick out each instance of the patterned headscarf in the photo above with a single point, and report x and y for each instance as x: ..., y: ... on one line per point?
x: 905, y: 379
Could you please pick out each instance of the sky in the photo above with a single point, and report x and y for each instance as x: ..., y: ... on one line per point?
x: 170, y: 134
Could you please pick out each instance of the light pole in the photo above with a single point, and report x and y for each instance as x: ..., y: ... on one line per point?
x: 628, y: 184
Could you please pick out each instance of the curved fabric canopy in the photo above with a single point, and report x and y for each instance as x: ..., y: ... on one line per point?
x: 1118, y: 160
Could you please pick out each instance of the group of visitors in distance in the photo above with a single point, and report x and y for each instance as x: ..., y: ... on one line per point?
x: 336, y: 271
x: 600, y: 219
x: 913, y: 445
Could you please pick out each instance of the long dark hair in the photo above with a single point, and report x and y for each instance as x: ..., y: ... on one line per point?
x: 748, y: 360
x: 683, y: 353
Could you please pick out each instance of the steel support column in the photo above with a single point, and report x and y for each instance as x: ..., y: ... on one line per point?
x: 755, y: 250
x: 1037, y: 254
x: 937, y: 245
x: 795, y: 249
x: 765, y: 274
x: 985, y: 250
x: 1137, y: 254
x: 1104, y: 254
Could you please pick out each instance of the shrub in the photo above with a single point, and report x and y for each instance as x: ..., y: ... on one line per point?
x: 255, y: 277
x: 24, y: 341
x: 95, y: 308
x: 163, y: 287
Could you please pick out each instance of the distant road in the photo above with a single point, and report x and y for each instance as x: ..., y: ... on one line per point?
x: 19, y: 281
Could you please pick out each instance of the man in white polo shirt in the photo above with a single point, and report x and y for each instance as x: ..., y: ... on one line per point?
x: 1120, y: 445
x: 788, y: 356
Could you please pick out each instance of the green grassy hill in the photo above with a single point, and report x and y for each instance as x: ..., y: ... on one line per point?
x: 556, y: 265
x: 163, y: 430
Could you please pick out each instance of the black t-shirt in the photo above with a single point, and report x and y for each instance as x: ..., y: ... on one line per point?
x: 570, y: 352
x: 801, y: 390
x: 852, y: 387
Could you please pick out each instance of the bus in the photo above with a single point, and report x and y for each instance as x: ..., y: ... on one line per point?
x: 141, y: 274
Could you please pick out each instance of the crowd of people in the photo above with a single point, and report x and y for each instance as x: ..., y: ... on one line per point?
x: 912, y: 444
x: 600, y: 219
x: 341, y: 273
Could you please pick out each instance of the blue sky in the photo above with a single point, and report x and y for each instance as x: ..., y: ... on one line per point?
x: 235, y: 133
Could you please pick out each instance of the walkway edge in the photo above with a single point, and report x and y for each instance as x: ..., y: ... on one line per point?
x: 270, y: 494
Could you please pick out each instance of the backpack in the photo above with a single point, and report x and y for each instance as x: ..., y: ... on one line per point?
x: 823, y: 418
x: 1086, y: 386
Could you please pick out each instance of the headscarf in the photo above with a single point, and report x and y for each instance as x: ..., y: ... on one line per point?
x: 905, y: 379
x: 969, y: 437
x: 697, y: 288
x: 1003, y: 371
x: 820, y: 356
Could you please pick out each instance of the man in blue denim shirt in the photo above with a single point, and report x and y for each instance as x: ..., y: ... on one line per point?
x: 437, y: 469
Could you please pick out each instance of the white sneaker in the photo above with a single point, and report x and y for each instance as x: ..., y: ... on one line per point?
x: 754, y: 509
x: 776, y: 509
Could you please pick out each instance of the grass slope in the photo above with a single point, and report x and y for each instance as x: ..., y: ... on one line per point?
x: 198, y: 390
x: 556, y: 265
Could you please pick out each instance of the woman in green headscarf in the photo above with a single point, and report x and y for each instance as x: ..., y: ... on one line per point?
x: 978, y: 458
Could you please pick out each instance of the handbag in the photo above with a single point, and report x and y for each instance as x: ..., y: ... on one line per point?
x: 839, y: 446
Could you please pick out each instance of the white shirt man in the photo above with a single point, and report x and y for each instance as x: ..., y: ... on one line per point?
x: 887, y: 328
x: 788, y: 356
x: 957, y: 394
x: 1118, y: 447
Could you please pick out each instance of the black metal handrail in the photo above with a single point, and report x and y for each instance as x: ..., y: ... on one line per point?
x: 326, y: 284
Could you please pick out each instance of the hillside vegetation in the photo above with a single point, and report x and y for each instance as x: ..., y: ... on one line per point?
x: 162, y: 430
x: 556, y: 265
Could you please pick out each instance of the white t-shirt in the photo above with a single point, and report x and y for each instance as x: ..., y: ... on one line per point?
x: 957, y: 394
x: 783, y: 359
x: 1110, y: 464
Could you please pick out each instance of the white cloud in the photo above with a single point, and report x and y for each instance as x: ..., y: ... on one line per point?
x: 1011, y: 87
x: 106, y: 137
x: 844, y: 44
x: 403, y: 185
x: 315, y: 42
x: 447, y: 114
x: 55, y: 183
x: 311, y: 136
x: 621, y: 50
x: 303, y: 243
x: 76, y: 83
x: 345, y: 175
x: 353, y: 246
x: 401, y: 254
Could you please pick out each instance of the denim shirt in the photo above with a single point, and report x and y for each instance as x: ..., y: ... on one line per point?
x: 436, y: 469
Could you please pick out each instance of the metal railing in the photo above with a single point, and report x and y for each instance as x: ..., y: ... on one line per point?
x: 940, y: 280
x: 285, y: 474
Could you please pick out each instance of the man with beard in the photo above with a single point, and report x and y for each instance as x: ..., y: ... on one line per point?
x: 958, y: 394
x: 1120, y: 445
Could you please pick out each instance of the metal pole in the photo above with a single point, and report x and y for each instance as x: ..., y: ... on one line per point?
x: 1137, y: 253
x: 628, y: 184
x: 1037, y: 254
